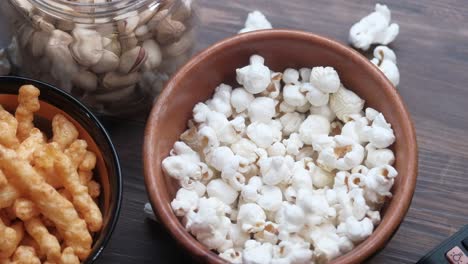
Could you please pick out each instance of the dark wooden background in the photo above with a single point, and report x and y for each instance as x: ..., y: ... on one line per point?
x: 432, y: 52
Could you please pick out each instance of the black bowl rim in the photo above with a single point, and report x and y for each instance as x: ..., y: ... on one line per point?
x: 115, y: 210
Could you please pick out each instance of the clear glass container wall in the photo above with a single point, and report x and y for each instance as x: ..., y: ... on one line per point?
x: 113, y: 55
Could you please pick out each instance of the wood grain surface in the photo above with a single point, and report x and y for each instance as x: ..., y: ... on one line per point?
x: 432, y: 52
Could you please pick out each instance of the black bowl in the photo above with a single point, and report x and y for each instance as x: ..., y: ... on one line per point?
x: 53, y: 101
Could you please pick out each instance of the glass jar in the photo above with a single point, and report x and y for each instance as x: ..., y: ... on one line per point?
x: 113, y: 55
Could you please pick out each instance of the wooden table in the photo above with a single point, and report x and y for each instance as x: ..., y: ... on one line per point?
x: 432, y: 51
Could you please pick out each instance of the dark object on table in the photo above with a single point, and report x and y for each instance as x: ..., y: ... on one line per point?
x: 108, y: 173
x: 453, y: 250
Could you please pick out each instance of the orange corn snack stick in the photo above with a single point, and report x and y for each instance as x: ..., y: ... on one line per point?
x: 51, y: 204
x: 3, y: 216
x: 8, y: 195
x: 47, y: 242
x: 25, y: 255
x: 27, y: 148
x: 89, y: 162
x: 76, y: 152
x: 94, y: 189
x: 3, y: 180
x: 81, y: 198
x: 8, y: 240
x: 28, y: 99
x: 69, y: 257
x: 85, y: 176
x: 66, y: 194
x: 30, y: 242
x: 25, y: 209
x: 86, y: 167
x: 43, y: 162
x: 8, y: 128
x: 64, y: 131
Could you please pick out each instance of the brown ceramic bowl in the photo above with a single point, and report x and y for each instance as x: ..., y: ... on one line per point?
x: 54, y: 101
x: 196, y: 82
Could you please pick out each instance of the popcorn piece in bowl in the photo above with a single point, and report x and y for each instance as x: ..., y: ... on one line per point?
x: 294, y: 174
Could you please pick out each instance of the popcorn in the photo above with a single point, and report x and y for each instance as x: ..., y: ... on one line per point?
x: 275, y: 170
x: 255, y: 21
x: 291, y: 122
x: 326, y: 79
x: 200, y: 112
x: 345, y: 103
x: 315, y: 96
x: 270, y: 198
x: 208, y: 135
x: 290, y: 218
x: 286, y: 108
x: 371, y: 114
x: 251, y: 217
x: 250, y: 191
x: 185, y: 201
x: 321, y: 178
x: 325, y: 242
x: 344, y: 156
x: 375, y: 28
x: 221, y: 190
x: 354, y: 129
x: 255, y: 77
x: 208, y: 224
x: 315, y: 206
x: 291, y: 76
x: 221, y: 101
x: 380, y: 134
x: 233, y: 177
x: 314, y: 125
x: 289, y: 252
x: 237, y: 235
x: 385, y: 60
x: 269, y: 234
x: 378, y: 183
x: 304, y: 153
x: 262, y: 134
x: 351, y: 204
x: 305, y: 74
x: 324, y: 111
x: 257, y: 253
x: 246, y: 149
x: 293, y: 96
x: 241, y: 99
x: 261, y: 109
x: 220, y: 157
x: 225, y: 132
x: 378, y: 157
x: 277, y: 149
x: 232, y: 256
x: 181, y: 168
x: 238, y: 123
x: 293, y: 144
x: 268, y: 175
x: 356, y: 230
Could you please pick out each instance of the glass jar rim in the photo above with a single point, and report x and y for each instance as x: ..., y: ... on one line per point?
x: 94, y: 12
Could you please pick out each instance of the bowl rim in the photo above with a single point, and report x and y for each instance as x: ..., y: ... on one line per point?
x: 165, y: 214
x: 114, y: 210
